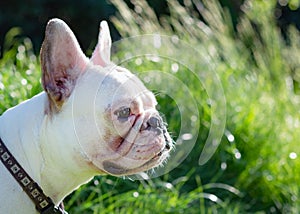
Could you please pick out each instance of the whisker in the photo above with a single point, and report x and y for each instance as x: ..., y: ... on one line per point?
x: 158, y: 93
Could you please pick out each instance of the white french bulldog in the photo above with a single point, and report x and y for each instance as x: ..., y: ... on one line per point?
x: 93, y: 118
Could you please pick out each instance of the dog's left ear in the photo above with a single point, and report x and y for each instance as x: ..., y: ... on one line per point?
x: 62, y: 62
x: 101, y: 54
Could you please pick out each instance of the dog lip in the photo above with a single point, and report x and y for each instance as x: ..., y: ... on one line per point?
x: 156, y: 158
x: 117, y: 170
x: 113, y: 168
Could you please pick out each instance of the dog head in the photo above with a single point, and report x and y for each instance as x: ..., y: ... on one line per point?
x: 102, y: 107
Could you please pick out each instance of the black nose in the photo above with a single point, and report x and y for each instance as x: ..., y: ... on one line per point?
x: 155, y: 122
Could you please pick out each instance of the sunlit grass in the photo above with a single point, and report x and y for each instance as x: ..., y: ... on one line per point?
x: 258, y: 71
x: 256, y: 167
x: 20, y: 71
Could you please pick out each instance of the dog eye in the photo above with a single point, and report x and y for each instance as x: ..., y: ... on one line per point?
x: 123, y: 112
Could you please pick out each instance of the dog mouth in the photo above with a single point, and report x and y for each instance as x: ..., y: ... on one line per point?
x: 118, y: 170
x: 134, y: 149
x: 113, y: 168
x: 144, y: 146
x: 119, y: 142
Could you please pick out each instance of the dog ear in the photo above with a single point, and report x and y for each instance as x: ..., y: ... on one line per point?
x: 101, y: 54
x: 62, y: 62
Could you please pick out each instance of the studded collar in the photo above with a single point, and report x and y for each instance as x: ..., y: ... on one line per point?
x: 43, y: 203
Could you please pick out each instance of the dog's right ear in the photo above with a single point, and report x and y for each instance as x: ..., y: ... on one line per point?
x: 62, y: 62
x: 101, y: 54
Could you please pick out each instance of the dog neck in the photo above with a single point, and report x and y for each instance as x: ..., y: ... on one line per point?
x: 40, y: 145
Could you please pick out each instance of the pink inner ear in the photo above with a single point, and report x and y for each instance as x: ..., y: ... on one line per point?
x: 97, y: 59
x: 101, y: 54
x: 67, y: 58
x: 62, y: 61
x: 66, y: 53
x: 61, y: 51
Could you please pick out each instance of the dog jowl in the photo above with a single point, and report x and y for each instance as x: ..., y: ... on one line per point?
x: 94, y: 117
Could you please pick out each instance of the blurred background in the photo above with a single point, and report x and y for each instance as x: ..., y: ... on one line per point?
x: 83, y: 17
x: 252, y: 46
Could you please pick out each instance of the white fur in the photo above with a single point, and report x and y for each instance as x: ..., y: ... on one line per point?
x: 65, y: 148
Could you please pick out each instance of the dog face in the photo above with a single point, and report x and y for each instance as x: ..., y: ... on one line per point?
x: 112, y: 113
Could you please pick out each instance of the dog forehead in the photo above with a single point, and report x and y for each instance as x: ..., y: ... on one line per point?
x: 120, y: 81
x: 113, y: 86
x: 145, y: 98
x: 126, y: 89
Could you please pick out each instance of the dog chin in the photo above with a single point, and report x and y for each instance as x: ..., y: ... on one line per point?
x: 116, y: 169
x: 139, y: 157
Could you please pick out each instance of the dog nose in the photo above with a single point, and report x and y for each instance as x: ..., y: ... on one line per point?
x: 155, y: 122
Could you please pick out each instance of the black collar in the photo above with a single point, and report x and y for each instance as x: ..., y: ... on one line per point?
x: 43, y: 203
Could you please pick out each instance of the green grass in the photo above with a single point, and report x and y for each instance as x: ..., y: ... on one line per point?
x: 259, y: 73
